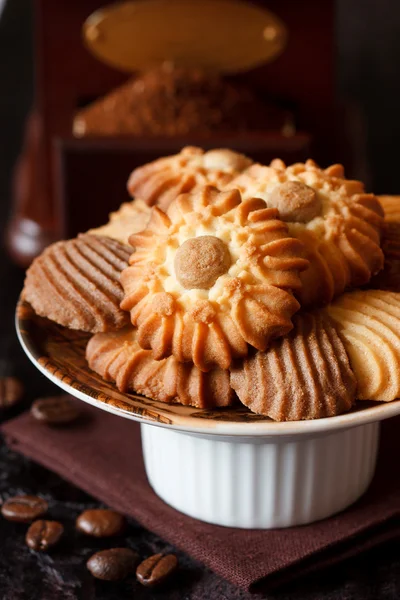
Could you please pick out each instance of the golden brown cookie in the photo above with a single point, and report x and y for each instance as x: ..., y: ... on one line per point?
x: 211, y: 276
x: 118, y: 357
x: 391, y: 207
x: 369, y: 325
x: 305, y: 375
x: 389, y: 277
x: 337, y: 221
x: 76, y: 283
x: 131, y: 217
x: 161, y: 181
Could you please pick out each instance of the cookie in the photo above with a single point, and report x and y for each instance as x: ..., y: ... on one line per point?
x: 161, y: 181
x: 369, y: 325
x: 389, y: 277
x: 76, y: 283
x: 338, y: 223
x: 305, y: 375
x: 391, y: 207
x: 130, y: 218
x: 210, y: 277
x: 118, y: 357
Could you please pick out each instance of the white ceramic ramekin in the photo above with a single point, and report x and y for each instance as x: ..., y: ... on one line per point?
x: 260, y: 483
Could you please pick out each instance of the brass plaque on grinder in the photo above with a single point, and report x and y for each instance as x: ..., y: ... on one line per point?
x: 227, y: 36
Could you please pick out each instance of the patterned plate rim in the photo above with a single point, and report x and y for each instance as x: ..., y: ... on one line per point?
x: 237, y: 422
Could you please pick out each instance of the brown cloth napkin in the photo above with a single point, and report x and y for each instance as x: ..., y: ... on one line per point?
x: 102, y: 455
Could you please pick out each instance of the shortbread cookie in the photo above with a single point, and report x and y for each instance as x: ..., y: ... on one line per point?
x: 369, y: 324
x: 130, y: 218
x: 118, y: 357
x: 305, y: 375
x: 389, y: 277
x: 161, y: 181
x: 211, y: 276
x: 76, y: 283
x: 391, y: 207
x: 336, y: 220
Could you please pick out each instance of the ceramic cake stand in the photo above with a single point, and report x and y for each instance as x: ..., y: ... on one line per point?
x: 227, y: 466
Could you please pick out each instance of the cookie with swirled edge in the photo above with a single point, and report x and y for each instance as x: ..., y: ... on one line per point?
x: 339, y: 224
x: 389, y: 277
x: 131, y: 217
x: 391, y: 207
x: 118, y: 357
x: 162, y: 180
x: 76, y: 283
x: 211, y: 276
x: 369, y: 325
x: 304, y: 375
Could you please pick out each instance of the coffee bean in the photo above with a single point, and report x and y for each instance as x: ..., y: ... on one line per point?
x: 11, y: 391
x: 58, y: 410
x: 156, y: 569
x: 42, y: 535
x: 24, y: 509
x: 100, y: 522
x: 113, y: 564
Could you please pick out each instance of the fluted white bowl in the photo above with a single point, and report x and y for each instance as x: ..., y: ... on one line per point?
x: 260, y: 483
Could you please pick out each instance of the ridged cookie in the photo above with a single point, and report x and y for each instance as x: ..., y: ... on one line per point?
x: 211, y: 276
x: 131, y: 217
x: 161, y: 181
x: 76, y: 283
x: 305, y: 375
x: 369, y: 324
x: 118, y: 357
x: 339, y: 224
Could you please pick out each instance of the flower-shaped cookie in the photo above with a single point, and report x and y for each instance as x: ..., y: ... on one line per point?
x: 337, y: 221
x: 118, y: 357
x: 389, y: 277
x: 162, y: 180
x: 391, y: 207
x: 211, y: 276
x: 129, y: 218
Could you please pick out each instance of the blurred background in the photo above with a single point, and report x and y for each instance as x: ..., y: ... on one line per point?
x: 329, y: 91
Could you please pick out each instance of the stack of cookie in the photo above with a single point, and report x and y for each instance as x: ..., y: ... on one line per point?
x: 227, y: 281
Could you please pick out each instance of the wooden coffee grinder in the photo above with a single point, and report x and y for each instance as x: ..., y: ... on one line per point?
x: 65, y: 183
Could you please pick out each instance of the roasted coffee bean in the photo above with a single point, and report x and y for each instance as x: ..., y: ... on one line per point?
x: 156, y: 569
x: 58, y: 410
x: 42, y: 535
x: 101, y: 522
x: 113, y: 564
x: 11, y: 391
x: 24, y: 509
